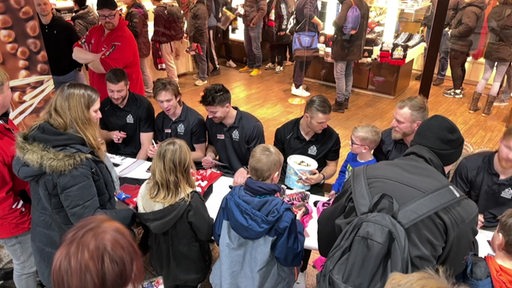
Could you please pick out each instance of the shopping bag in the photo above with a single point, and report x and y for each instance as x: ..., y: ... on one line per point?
x: 305, y: 45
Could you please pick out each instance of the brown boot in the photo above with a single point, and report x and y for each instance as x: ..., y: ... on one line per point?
x: 345, y: 103
x: 488, y: 105
x: 338, y: 106
x: 474, y: 102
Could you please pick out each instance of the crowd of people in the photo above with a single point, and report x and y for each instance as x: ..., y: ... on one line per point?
x: 60, y: 192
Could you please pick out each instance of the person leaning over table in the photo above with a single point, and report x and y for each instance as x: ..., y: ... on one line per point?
x: 63, y: 160
x: 128, y: 118
x: 232, y: 133
x: 177, y: 120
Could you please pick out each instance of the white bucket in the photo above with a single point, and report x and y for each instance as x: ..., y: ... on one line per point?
x: 298, y: 164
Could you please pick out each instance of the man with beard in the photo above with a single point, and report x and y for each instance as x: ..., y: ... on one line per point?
x: 486, y: 178
x: 109, y: 45
x: 232, y: 134
x: 128, y: 119
x: 408, y: 116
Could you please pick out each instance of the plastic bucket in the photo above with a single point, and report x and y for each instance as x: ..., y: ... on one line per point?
x: 298, y: 164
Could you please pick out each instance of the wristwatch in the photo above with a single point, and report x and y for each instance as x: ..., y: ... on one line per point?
x: 323, y: 178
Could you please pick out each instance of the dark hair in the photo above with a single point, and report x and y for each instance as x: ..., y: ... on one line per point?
x: 215, y: 95
x: 98, y: 252
x: 318, y: 103
x: 505, y: 228
x: 167, y: 85
x: 80, y: 3
x: 116, y: 76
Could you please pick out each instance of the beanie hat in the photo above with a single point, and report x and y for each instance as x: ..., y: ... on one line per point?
x: 106, y: 4
x: 441, y: 136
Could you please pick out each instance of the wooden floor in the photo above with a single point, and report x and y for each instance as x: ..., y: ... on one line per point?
x: 268, y: 98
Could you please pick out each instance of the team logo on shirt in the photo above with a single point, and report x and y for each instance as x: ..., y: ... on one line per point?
x: 507, y: 193
x: 129, y: 119
x: 181, y: 129
x: 312, y: 150
x: 235, y: 135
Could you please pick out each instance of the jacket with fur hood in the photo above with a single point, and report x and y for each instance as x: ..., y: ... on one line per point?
x: 84, y: 19
x: 68, y: 183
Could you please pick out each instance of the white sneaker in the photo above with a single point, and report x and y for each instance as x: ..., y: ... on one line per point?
x: 301, y: 281
x: 299, y: 91
x: 270, y: 66
x: 231, y: 64
x: 279, y: 69
x: 200, y: 82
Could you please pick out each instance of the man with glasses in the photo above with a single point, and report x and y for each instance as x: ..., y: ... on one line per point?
x: 409, y: 114
x: 109, y: 45
x: 128, y: 118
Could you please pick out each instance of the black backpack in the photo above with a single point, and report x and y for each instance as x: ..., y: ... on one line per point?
x: 374, y: 244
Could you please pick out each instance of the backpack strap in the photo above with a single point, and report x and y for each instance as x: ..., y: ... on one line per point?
x: 411, y: 213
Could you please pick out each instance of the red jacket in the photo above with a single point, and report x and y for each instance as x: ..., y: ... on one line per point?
x: 14, y: 213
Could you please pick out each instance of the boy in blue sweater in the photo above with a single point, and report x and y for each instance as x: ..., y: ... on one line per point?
x: 363, y: 140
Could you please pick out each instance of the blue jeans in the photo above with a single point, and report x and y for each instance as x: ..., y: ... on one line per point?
x: 444, y: 52
x: 74, y: 76
x: 252, y: 44
x: 344, y: 78
x: 20, y: 249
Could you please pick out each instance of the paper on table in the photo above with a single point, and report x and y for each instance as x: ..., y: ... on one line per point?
x: 138, y: 170
x: 483, y: 237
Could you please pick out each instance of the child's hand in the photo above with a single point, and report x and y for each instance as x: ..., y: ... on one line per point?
x: 332, y: 194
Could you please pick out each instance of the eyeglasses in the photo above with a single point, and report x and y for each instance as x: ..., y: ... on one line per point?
x: 354, y: 143
x: 107, y: 17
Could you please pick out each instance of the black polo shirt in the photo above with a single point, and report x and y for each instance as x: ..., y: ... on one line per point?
x: 322, y: 147
x: 235, y: 143
x: 189, y: 126
x: 476, y: 177
x: 389, y: 149
x: 137, y: 116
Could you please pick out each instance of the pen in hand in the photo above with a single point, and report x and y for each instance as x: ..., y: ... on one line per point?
x: 154, y: 144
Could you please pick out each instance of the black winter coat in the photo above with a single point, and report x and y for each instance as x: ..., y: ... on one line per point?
x: 68, y: 183
x: 443, y: 238
x: 350, y: 49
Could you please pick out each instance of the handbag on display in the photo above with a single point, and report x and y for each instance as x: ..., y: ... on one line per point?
x: 305, y: 45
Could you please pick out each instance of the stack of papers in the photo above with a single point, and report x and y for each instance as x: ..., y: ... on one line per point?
x: 130, y: 167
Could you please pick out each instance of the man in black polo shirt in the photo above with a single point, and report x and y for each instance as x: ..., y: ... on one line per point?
x: 232, y: 133
x: 408, y: 115
x: 127, y: 120
x: 486, y: 178
x: 177, y: 119
x: 311, y: 136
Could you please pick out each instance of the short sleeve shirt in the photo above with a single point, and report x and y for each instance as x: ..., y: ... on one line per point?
x: 119, y: 50
x: 189, y: 126
x: 137, y: 116
x: 476, y: 177
x: 322, y: 147
x: 235, y: 143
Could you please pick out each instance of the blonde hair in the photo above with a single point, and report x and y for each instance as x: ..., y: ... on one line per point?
x: 368, y: 135
x: 4, y: 78
x: 69, y: 111
x: 264, y: 162
x: 171, y: 177
x: 427, y: 278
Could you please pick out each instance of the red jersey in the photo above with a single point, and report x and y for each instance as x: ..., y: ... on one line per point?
x: 119, y: 50
x: 14, y: 213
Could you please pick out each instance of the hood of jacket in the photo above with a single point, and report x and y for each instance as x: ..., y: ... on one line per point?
x: 427, y: 156
x: 477, y: 3
x: 253, y: 210
x: 45, y: 149
x: 162, y: 220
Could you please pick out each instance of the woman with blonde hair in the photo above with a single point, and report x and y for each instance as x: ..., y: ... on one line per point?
x: 98, y: 252
x: 179, y: 225
x: 63, y: 160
